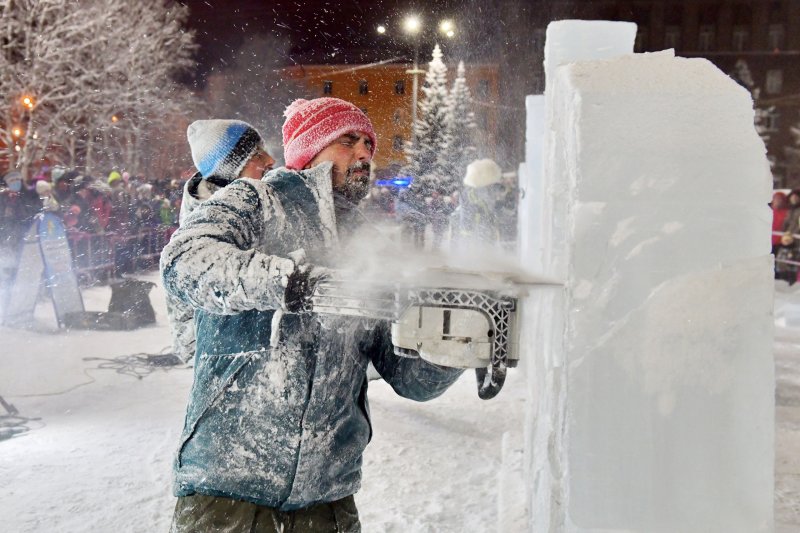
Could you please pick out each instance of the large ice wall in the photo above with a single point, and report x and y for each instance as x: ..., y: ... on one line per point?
x: 652, y: 368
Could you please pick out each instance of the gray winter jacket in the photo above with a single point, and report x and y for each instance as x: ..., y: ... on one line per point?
x: 278, y: 412
x: 181, y: 315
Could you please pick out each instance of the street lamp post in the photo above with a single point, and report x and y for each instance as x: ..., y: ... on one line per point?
x: 413, y: 25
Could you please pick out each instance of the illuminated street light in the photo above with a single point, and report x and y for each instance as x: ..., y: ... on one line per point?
x: 16, y: 132
x: 114, y: 118
x: 381, y: 29
x: 446, y: 26
x: 412, y: 24
x: 28, y: 101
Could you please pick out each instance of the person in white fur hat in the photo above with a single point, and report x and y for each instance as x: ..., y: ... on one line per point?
x: 477, y: 220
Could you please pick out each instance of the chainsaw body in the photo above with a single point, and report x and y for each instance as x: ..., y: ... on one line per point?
x: 448, y: 326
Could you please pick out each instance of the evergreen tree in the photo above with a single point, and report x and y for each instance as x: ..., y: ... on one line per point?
x: 430, y: 129
x: 461, y: 130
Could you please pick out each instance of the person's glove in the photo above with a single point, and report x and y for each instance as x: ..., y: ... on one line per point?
x: 300, y: 287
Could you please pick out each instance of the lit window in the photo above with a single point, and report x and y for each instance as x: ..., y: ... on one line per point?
x: 400, y: 87
x: 327, y: 87
x: 774, y: 83
x: 672, y: 37
x: 705, y: 39
x: 363, y: 87
x: 741, y: 39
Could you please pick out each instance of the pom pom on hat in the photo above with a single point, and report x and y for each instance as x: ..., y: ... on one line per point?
x: 222, y: 147
x: 311, y: 125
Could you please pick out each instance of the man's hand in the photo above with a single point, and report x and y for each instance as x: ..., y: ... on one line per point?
x: 300, y: 287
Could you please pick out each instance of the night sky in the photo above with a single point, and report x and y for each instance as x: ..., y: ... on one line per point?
x: 335, y: 32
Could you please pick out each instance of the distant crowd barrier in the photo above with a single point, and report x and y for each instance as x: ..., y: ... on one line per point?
x: 98, y: 257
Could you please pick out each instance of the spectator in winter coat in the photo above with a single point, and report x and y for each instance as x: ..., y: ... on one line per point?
x: 119, y: 219
x: 792, y: 222
x: 18, y: 206
x: 477, y: 220
x: 439, y: 210
x: 780, y: 210
x: 411, y: 210
x: 278, y: 419
x: 100, y: 202
x: 224, y: 150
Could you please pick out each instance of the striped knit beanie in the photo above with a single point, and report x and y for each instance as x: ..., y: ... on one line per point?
x: 311, y: 125
x: 222, y: 147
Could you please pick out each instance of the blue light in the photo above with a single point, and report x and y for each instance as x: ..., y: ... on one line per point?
x: 399, y: 182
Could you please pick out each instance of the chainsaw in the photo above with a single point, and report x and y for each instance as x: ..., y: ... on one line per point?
x: 449, y: 318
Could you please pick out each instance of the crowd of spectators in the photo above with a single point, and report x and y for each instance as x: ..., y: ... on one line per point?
x: 484, y: 210
x: 117, y: 208
x: 786, y: 234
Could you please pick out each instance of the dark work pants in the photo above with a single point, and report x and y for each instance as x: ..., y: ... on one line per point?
x: 206, y: 514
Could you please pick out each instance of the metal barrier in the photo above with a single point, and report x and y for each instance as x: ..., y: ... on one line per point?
x: 98, y: 257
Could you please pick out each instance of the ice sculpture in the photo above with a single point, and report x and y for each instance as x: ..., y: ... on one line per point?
x: 651, y: 370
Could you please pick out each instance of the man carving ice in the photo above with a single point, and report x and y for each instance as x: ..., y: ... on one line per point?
x: 278, y: 419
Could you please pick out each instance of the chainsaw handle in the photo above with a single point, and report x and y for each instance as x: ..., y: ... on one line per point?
x: 490, y: 381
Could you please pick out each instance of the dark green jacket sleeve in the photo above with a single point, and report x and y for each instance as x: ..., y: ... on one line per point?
x: 412, y: 378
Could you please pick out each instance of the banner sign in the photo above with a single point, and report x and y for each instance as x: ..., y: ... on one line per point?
x: 60, y: 277
x: 25, y: 287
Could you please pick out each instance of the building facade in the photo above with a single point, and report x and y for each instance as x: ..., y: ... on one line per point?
x: 385, y: 93
x: 763, y: 33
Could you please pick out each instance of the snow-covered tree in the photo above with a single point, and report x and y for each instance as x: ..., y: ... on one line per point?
x: 98, y: 76
x: 742, y: 75
x: 461, y: 131
x: 430, y: 130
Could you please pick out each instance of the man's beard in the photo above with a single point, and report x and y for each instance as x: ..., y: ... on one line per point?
x: 355, y: 187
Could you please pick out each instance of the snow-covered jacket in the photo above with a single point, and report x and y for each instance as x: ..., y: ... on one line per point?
x: 181, y: 315
x: 278, y: 412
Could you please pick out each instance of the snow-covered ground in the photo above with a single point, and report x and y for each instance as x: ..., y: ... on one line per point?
x: 97, y: 452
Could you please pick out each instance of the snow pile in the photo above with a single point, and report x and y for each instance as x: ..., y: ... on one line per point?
x: 655, y: 392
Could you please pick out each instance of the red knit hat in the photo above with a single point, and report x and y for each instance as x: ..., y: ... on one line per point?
x: 311, y: 125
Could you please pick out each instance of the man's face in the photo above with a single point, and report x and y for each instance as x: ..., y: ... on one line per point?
x: 255, y: 168
x: 351, y: 155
